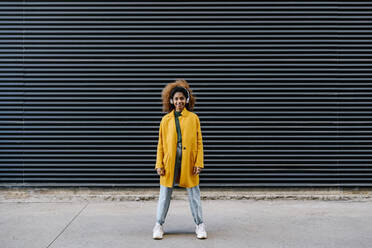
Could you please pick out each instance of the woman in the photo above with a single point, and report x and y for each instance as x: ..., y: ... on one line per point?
x: 179, y: 157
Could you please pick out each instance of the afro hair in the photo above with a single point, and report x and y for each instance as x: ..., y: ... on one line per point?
x: 166, y: 95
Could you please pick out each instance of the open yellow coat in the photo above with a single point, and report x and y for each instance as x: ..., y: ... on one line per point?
x: 192, y: 148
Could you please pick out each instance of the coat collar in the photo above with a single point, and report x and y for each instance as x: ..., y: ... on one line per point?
x: 184, y: 113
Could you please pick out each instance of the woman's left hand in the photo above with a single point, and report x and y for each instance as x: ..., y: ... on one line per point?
x: 197, y: 170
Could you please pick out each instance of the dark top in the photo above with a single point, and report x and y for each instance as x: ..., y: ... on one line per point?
x: 179, y: 136
x: 177, y: 170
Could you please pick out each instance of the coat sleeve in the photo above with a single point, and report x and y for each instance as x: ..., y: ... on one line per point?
x: 160, y: 151
x: 200, y: 156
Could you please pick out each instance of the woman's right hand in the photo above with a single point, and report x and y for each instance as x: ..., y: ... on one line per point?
x: 160, y: 171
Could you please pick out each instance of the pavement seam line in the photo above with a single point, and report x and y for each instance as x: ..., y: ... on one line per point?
x: 64, y: 229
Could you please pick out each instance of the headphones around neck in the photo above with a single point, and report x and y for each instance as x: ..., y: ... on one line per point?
x: 188, y: 96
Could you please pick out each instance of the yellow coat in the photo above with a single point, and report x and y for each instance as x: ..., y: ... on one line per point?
x: 192, y: 148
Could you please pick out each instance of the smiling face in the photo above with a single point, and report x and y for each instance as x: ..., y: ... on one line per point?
x: 179, y: 101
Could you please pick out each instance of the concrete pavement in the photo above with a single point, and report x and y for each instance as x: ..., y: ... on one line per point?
x: 279, y: 222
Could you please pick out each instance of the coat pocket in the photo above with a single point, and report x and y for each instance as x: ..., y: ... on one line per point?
x: 165, y: 159
x: 194, y: 153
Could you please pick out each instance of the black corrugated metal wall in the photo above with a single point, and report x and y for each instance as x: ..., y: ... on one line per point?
x: 283, y: 90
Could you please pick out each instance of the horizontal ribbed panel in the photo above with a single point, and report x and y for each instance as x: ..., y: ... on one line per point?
x: 283, y: 88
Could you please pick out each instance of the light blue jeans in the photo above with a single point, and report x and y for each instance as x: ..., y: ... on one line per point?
x: 164, y: 201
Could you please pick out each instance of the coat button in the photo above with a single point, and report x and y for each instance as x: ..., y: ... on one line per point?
x: 184, y: 148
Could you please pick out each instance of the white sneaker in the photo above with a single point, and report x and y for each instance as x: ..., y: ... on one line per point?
x: 157, y: 232
x: 200, y: 231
